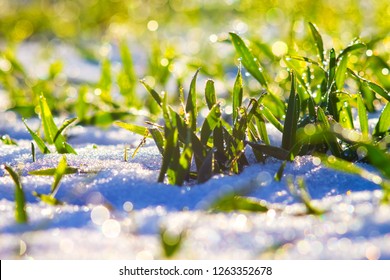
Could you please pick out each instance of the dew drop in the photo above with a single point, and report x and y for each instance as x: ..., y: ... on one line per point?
x: 369, y: 53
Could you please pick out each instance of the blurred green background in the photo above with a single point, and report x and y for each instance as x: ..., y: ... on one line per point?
x: 270, y: 20
x: 172, y: 38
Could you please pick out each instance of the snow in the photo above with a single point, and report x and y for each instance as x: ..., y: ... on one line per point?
x: 116, y: 209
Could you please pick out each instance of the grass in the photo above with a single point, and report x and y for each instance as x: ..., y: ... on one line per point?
x: 318, y: 120
x: 58, y: 173
x: 318, y: 95
x: 51, y: 131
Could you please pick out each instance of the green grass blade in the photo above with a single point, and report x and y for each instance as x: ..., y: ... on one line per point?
x: 341, y: 72
x: 173, y: 166
x: 33, y: 151
x: 240, y: 126
x: 379, y: 90
x: 218, y: 139
x: 342, y: 61
x: 306, y: 199
x: 52, y: 171
x: 250, y: 63
x: 254, y: 136
x: 140, y: 145
x: 317, y: 41
x: 345, y: 114
x: 127, y: 78
x: 137, y: 129
x: 191, y: 105
x: 266, y: 112
x: 153, y: 93
x: 210, y: 94
x: 105, y: 81
x: 276, y: 152
x: 184, y: 163
x: 171, y: 242
x: 166, y: 115
x: 237, y: 94
x: 63, y: 127
x: 171, y: 149
x: 179, y: 166
x: 379, y: 159
x: 373, y: 86
x: 312, y: 108
x: 50, y: 128
x: 208, y: 167
x: 199, y: 149
x: 363, y: 118
x: 38, y: 140
x: 343, y: 165
x: 48, y: 199
x: 383, y: 126
x: 210, y: 122
x: 260, y: 123
x: 347, y: 51
x: 81, y: 106
x: 179, y: 124
x: 332, y: 69
x: 298, y: 77
x: 69, y: 149
x: 303, y: 195
x: 279, y: 174
x: 7, y: 140
x: 55, y: 68
x: 20, y: 200
x: 305, y: 59
x: 158, y: 138
x: 330, y: 139
x: 235, y: 142
x: 58, y: 174
x: 233, y: 202
x: 292, y: 115
x: 348, y: 167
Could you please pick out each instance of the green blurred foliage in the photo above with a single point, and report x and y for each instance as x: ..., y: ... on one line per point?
x: 180, y: 36
x: 22, y: 19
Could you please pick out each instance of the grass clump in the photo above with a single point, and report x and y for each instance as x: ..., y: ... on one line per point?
x: 317, y: 116
x: 53, y: 134
x: 214, y: 147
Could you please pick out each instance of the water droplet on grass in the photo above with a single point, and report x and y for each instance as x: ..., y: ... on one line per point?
x: 369, y: 53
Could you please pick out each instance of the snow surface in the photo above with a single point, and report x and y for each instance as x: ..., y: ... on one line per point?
x: 115, y: 209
